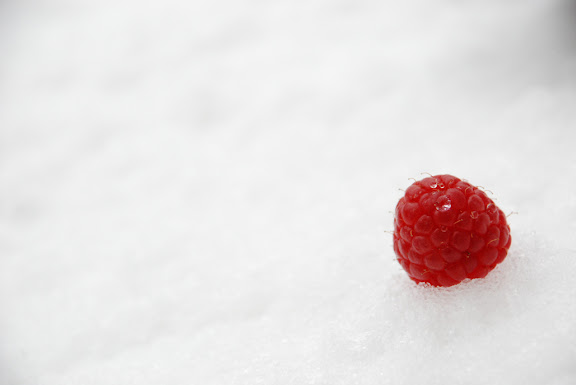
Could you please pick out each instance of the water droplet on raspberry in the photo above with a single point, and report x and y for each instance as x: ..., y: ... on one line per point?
x: 474, y: 214
x: 443, y: 229
x: 443, y: 204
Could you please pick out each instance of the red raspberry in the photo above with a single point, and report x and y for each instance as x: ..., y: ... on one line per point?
x: 446, y: 230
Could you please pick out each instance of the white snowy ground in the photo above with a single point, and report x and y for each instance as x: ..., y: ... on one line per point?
x: 196, y: 192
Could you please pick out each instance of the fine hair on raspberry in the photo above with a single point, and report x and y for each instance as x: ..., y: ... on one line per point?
x: 447, y: 230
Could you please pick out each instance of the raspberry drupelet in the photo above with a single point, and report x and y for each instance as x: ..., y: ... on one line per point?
x: 446, y: 230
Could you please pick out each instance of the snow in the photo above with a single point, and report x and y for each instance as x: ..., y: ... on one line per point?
x: 198, y: 192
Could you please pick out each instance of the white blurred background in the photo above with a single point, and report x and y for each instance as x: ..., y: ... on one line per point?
x: 197, y: 192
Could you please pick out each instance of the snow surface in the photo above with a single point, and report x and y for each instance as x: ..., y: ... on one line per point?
x: 197, y: 192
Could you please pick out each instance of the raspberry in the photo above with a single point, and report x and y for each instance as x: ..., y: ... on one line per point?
x: 446, y: 230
